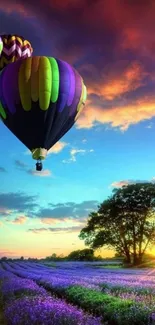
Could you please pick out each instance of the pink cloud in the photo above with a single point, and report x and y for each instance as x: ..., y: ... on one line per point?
x: 20, y: 220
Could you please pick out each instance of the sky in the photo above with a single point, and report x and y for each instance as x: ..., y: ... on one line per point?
x: 111, y: 43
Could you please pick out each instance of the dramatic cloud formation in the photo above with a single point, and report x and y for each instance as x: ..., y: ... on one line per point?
x: 120, y: 78
x: 117, y: 69
x: 117, y: 116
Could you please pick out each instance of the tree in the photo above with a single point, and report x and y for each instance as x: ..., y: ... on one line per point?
x: 124, y: 222
x: 4, y: 258
x: 81, y: 255
x: 53, y: 257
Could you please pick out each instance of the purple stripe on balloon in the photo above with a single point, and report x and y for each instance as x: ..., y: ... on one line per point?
x: 64, y: 85
x: 72, y: 85
x: 77, y: 96
x: 10, y: 86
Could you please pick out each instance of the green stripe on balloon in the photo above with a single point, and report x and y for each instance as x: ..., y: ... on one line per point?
x: 1, y: 45
x: 45, y: 83
x: 55, y: 79
x: 2, y: 111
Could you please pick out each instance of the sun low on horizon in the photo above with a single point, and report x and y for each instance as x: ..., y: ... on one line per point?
x: 112, y: 142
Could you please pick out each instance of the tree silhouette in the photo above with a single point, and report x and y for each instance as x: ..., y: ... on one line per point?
x: 124, y: 222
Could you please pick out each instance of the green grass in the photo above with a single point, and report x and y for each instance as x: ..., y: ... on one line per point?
x: 111, y: 266
x: 50, y: 264
x: 114, y: 310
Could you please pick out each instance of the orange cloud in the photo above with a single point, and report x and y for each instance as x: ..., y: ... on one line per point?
x: 59, y: 146
x: 121, y: 117
x: 130, y: 80
x: 119, y: 184
x: 20, y: 220
x: 114, y: 80
x: 49, y: 221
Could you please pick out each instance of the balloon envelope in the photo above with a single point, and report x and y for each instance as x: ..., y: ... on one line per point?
x: 41, y: 101
x: 14, y: 48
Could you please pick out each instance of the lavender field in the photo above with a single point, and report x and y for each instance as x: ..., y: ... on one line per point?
x: 75, y: 293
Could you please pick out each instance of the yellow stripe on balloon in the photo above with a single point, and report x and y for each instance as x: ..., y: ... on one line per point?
x: 81, y: 98
x: 45, y: 83
x: 18, y: 39
x: 4, y: 61
x: 85, y: 94
x: 82, y: 101
x: 8, y: 41
x: 25, y: 42
x: 35, y: 78
x: 24, y: 83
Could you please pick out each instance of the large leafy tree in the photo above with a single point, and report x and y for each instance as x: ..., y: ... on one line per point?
x: 124, y: 222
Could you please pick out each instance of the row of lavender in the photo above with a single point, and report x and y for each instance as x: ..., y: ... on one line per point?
x: 139, y: 281
x: 26, y: 303
x: 130, y: 288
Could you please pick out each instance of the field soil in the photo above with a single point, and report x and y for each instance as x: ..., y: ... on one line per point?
x: 2, y: 320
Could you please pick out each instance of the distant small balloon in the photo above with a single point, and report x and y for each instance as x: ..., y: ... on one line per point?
x: 13, y: 48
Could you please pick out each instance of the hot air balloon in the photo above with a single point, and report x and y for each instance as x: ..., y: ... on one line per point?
x: 41, y: 101
x: 14, y: 48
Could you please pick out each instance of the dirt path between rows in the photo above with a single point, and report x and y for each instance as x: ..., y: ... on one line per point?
x: 2, y: 320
